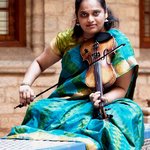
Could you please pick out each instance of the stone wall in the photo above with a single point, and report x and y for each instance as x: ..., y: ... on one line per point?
x: 44, y: 20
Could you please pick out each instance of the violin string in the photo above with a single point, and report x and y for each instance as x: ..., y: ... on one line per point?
x: 110, y: 52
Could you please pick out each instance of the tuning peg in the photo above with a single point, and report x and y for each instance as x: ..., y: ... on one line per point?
x: 109, y: 116
x: 107, y: 109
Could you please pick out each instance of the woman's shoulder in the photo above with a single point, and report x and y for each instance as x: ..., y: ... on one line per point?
x: 66, y: 33
x: 119, y: 36
x: 65, y: 41
x: 117, y: 33
x: 64, y: 38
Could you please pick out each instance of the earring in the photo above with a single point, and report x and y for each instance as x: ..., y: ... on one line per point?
x: 107, y: 24
x: 106, y: 20
x: 77, y: 24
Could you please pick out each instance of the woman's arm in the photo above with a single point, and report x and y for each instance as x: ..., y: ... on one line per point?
x: 42, y: 62
x: 118, y: 90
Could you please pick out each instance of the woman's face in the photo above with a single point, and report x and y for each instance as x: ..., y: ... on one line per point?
x: 91, y: 17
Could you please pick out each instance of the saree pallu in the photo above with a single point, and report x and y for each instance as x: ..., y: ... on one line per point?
x: 68, y: 115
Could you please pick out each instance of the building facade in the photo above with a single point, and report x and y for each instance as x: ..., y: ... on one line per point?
x: 43, y: 19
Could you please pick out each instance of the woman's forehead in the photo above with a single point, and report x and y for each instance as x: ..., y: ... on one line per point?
x: 90, y: 5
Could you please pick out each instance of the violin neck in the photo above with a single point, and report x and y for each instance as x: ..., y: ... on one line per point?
x: 98, y: 77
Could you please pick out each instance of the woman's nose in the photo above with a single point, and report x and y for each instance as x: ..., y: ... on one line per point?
x: 90, y: 19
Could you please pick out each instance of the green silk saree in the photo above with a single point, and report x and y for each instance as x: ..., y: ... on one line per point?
x: 68, y: 115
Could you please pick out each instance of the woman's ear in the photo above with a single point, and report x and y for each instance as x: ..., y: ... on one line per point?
x: 106, y: 15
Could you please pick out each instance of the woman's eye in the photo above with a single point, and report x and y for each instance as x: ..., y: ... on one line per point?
x: 83, y: 14
x: 96, y: 13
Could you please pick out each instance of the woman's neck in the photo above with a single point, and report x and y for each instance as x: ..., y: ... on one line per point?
x: 87, y: 37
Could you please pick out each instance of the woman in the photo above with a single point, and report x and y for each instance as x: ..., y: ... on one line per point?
x: 71, y: 112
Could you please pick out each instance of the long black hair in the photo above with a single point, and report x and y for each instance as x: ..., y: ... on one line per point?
x: 112, y: 20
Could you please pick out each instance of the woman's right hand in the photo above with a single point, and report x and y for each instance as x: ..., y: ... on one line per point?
x: 42, y: 62
x: 26, y: 95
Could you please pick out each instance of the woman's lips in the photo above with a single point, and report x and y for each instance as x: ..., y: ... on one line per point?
x: 91, y: 25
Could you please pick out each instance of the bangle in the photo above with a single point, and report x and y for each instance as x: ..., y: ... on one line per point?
x: 25, y: 84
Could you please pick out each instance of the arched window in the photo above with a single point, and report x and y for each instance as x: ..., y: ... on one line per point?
x: 12, y: 23
x: 145, y: 23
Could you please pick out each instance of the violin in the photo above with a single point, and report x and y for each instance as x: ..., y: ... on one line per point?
x: 99, y: 54
x: 101, y: 74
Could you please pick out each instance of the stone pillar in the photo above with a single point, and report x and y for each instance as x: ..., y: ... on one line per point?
x: 37, y: 26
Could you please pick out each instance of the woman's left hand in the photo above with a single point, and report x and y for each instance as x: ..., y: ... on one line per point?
x: 96, y: 99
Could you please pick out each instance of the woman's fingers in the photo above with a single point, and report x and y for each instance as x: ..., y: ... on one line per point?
x: 96, y: 99
x: 26, y: 95
x: 95, y: 96
x: 32, y: 96
x: 96, y: 103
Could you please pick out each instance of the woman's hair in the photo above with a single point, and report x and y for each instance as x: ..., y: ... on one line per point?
x: 111, y: 23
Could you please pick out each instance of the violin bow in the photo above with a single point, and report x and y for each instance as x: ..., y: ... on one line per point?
x: 104, y: 55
